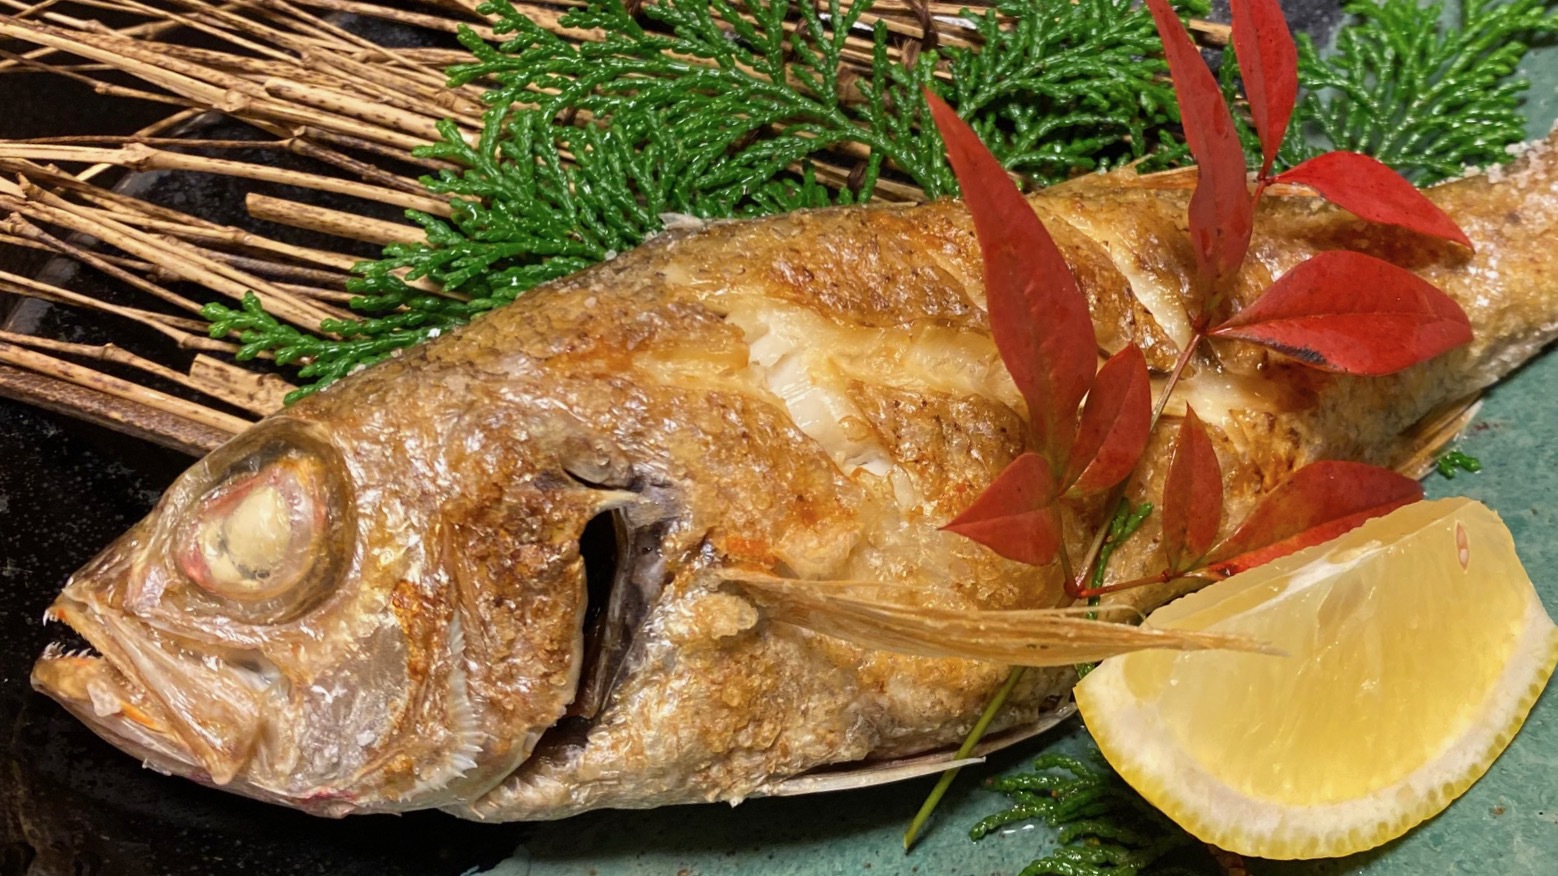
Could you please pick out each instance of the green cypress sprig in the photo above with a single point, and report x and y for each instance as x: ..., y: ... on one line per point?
x: 1102, y: 826
x: 1068, y: 88
x: 1456, y: 461
x: 1426, y: 99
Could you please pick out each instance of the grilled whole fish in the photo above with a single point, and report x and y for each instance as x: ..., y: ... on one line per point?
x: 377, y: 600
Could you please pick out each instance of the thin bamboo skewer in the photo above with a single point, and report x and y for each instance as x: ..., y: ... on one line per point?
x: 281, y: 271
x: 207, y: 232
x: 147, y: 29
x: 20, y: 357
x: 203, y: 85
x: 334, y: 296
x: 223, y: 34
x: 220, y: 389
x: 173, y: 254
x: 158, y: 127
x: 401, y: 16
x: 137, y: 156
x: 261, y: 393
x: 193, y: 229
x: 185, y: 333
x: 115, y: 140
x: 21, y: 226
x: 17, y: 70
x: 104, y: 88
x: 134, y: 418
x: 27, y: 243
x: 34, y: 8
x: 186, y: 227
x: 334, y: 222
x: 328, y: 29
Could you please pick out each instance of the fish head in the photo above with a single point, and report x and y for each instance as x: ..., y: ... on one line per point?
x: 339, y: 614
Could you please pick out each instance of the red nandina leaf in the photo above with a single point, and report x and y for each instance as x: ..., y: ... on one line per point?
x: 1038, y: 314
x: 1016, y: 515
x: 1192, y: 495
x: 1221, y: 212
x: 1116, y: 422
x: 1319, y: 502
x: 1268, y: 61
x: 1370, y: 190
x: 1353, y: 313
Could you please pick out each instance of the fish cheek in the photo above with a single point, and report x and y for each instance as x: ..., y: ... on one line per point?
x: 519, y: 584
x: 341, y: 737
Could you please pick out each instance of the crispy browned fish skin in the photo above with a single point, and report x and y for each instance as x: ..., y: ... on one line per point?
x: 809, y: 395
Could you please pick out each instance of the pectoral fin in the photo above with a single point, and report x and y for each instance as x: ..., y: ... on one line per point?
x: 888, y: 617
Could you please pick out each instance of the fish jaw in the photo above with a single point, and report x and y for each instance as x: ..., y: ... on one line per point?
x: 179, y: 713
x: 120, y: 693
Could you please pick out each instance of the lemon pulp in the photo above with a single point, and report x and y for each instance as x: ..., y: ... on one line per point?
x: 1413, y: 648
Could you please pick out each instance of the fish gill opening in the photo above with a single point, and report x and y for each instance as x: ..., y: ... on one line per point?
x: 601, y: 551
x: 611, y: 617
x: 624, y: 572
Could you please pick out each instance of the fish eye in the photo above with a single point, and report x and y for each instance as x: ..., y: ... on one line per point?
x: 253, y: 537
x: 263, y: 528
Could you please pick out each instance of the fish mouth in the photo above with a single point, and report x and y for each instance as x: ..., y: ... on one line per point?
x: 106, y: 686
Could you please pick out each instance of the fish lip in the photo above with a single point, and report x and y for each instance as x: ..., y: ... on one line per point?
x: 140, y: 721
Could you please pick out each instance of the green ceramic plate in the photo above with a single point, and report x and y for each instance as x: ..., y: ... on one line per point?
x: 1506, y: 824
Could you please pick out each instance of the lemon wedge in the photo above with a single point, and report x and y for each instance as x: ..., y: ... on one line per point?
x: 1413, y: 648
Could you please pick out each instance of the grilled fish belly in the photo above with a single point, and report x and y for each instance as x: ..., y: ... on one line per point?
x: 809, y: 396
